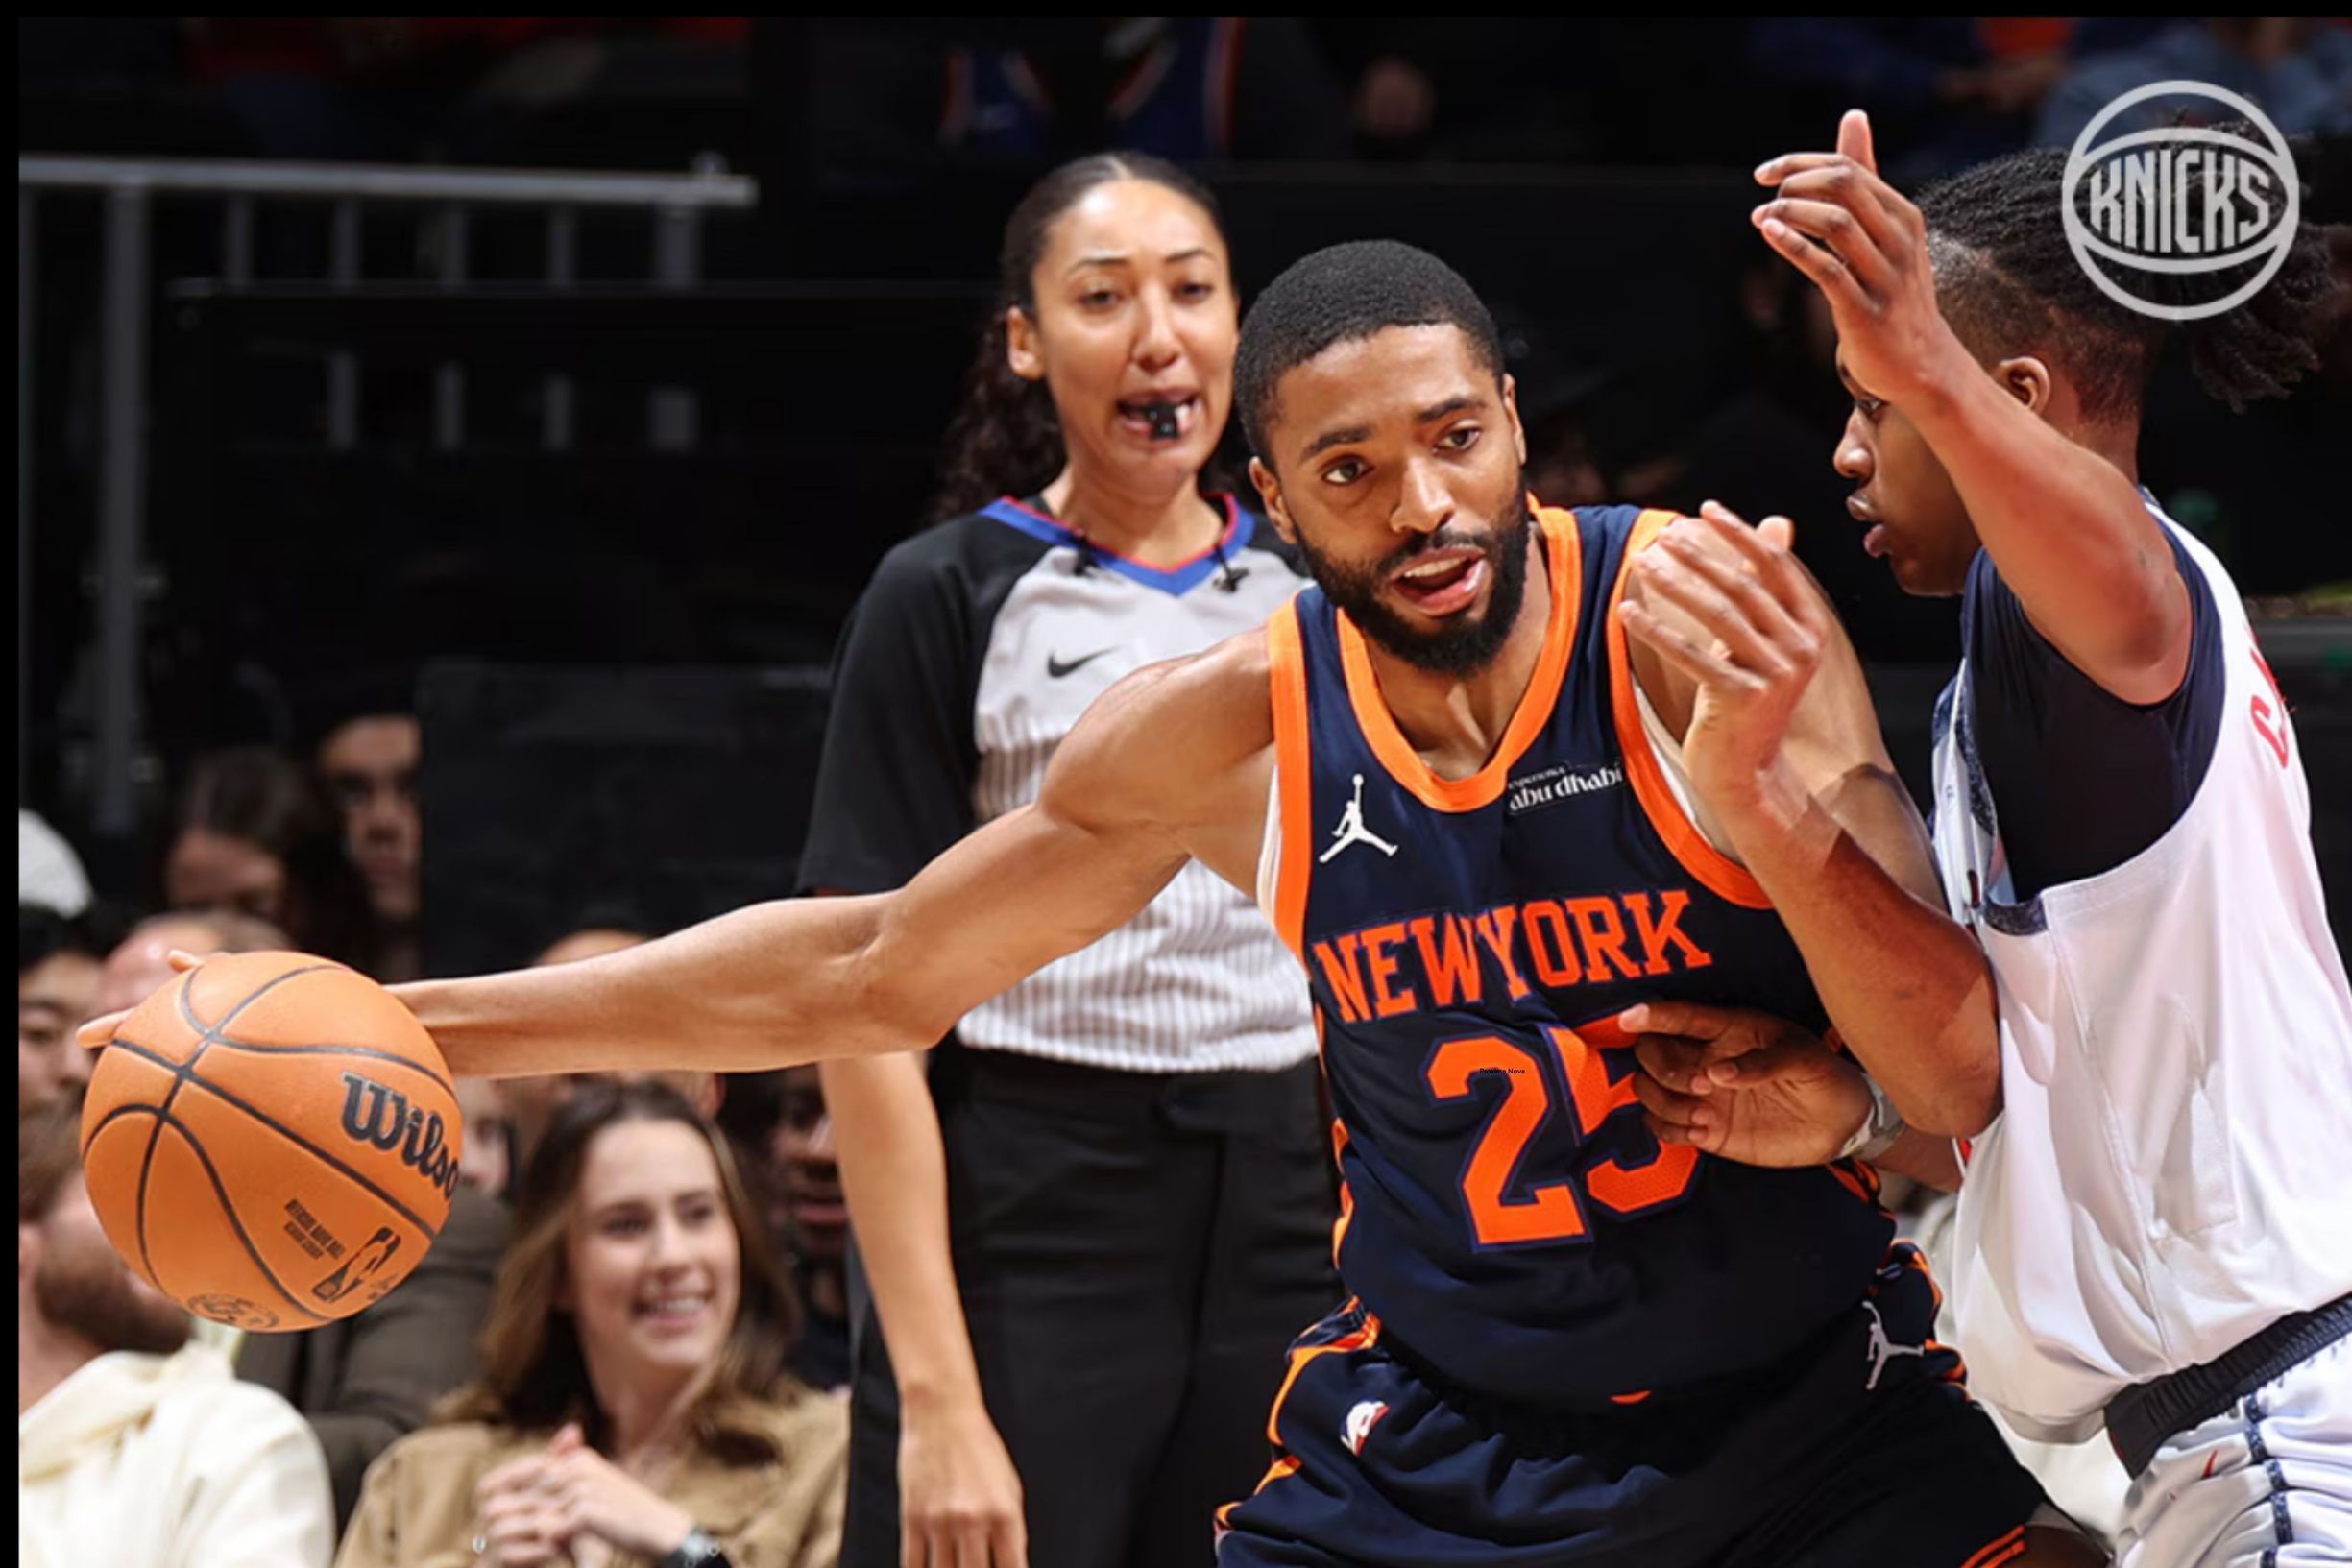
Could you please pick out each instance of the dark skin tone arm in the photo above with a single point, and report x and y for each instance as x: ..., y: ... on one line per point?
x: 1781, y: 741
x: 2057, y: 507
x: 1757, y: 1089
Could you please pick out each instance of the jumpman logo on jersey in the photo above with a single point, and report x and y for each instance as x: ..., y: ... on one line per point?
x: 1352, y: 830
x: 1361, y: 1421
x: 1880, y: 1349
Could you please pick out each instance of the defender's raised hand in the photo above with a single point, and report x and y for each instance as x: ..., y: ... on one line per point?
x: 1865, y: 247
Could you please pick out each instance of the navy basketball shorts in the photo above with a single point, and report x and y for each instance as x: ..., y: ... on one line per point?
x: 1859, y: 1450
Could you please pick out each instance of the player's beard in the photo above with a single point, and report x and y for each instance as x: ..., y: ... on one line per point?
x: 1458, y: 647
x: 98, y: 1300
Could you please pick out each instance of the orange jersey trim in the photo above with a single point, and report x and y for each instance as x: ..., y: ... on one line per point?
x: 1367, y: 1335
x: 1851, y: 1175
x: 1281, y: 1467
x: 2010, y: 1544
x: 1294, y: 769
x: 1348, y: 1199
x: 1721, y: 875
x: 1564, y: 560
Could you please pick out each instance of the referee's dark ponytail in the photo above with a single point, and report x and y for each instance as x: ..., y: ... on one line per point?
x: 1003, y: 439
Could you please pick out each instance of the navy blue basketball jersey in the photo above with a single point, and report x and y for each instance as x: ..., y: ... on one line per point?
x: 1506, y: 1212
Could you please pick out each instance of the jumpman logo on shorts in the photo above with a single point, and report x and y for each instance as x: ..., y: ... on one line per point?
x: 1880, y: 1349
x: 1352, y: 830
x: 1361, y: 1421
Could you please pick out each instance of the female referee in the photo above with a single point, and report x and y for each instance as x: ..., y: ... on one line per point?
x: 1093, y: 1218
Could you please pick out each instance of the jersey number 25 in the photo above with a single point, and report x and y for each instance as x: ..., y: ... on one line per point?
x: 1551, y: 1211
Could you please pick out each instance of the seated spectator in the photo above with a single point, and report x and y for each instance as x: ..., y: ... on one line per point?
x: 253, y: 836
x: 370, y: 1378
x: 134, y: 1447
x: 783, y: 1136
x: 1943, y: 92
x: 892, y: 99
x: 634, y: 1398
x: 2298, y: 68
x: 57, y: 969
x: 140, y: 963
x: 487, y: 1163
x: 531, y: 1103
x: 369, y: 761
x: 1523, y: 90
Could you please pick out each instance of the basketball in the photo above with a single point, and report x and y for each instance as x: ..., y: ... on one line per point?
x: 272, y: 1140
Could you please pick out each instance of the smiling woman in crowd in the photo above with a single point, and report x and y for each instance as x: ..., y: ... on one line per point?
x: 634, y: 1406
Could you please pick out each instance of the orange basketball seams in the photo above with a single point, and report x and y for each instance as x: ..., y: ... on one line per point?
x: 286, y: 1174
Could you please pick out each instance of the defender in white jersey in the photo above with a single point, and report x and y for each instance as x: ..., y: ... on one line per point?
x: 2156, y: 1227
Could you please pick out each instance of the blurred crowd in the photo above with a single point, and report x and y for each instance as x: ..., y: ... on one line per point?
x: 868, y: 100
x: 633, y: 1325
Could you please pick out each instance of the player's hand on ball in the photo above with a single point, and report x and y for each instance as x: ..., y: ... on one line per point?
x: 959, y: 1496
x: 99, y: 1032
x: 1729, y: 606
x: 1864, y: 245
x: 1742, y: 1084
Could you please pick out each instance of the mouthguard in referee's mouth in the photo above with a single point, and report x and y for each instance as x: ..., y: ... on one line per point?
x: 1162, y: 419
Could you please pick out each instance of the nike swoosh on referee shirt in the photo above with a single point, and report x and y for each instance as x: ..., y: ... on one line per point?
x: 1056, y: 668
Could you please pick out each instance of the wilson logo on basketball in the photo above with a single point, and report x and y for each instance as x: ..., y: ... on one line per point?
x: 376, y: 1115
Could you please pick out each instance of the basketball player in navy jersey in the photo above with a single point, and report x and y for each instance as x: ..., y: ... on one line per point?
x: 2136, y: 931
x: 1452, y: 782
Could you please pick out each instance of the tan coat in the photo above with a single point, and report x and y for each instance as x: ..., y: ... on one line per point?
x: 417, y: 1507
x: 369, y: 1380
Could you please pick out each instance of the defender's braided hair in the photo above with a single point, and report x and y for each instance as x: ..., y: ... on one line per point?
x: 2009, y: 282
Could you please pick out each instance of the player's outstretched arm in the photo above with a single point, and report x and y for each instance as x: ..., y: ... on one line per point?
x: 2067, y: 530
x: 801, y: 979
x: 1782, y: 743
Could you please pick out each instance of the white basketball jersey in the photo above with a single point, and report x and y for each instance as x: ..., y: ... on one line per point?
x: 2172, y: 1168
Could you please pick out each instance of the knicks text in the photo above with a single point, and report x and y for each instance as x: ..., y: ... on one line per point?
x: 1448, y: 960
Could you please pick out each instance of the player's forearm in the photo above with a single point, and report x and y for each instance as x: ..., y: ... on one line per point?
x: 1927, y: 1158
x: 768, y: 986
x: 894, y: 1173
x: 2069, y: 533
x: 1906, y: 986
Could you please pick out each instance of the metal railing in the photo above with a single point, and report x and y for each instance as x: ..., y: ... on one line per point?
x: 128, y: 187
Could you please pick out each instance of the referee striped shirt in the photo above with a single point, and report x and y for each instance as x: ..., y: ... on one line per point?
x: 969, y: 658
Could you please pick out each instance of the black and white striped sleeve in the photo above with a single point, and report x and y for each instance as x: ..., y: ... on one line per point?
x: 894, y: 786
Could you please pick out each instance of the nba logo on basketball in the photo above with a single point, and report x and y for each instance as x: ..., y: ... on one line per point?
x: 1360, y: 1423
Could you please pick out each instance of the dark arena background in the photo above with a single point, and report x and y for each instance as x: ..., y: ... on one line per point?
x: 551, y: 389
